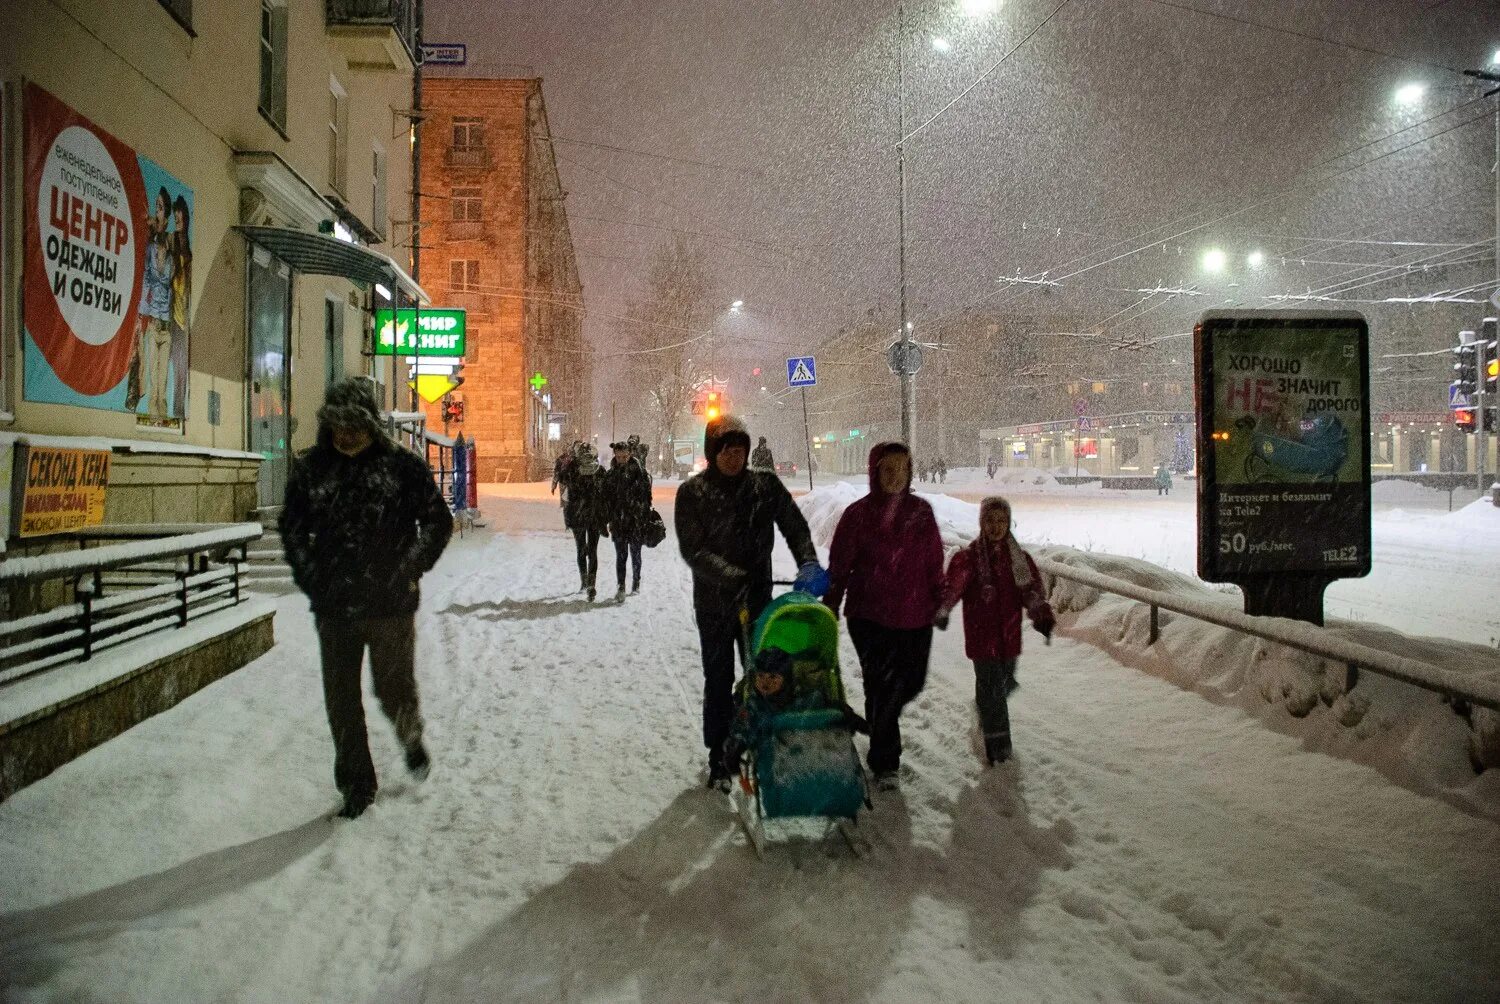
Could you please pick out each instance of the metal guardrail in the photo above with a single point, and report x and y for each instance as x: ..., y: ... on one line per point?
x: 1294, y: 634
x: 179, y: 583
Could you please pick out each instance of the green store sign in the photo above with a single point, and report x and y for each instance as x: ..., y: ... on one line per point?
x: 432, y: 331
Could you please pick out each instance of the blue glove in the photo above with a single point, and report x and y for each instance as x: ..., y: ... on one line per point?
x: 811, y: 578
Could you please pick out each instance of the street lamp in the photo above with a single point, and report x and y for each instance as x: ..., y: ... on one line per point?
x: 1410, y: 94
x: 1214, y: 260
x: 978, y: 8
x: 1256, y: 259
x: 941, y: 45
x: 734, y: 308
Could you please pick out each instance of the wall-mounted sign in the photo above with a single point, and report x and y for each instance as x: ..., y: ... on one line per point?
x: 1283, y: 434
x: 445, y: 53
x: 431, y: 331
x: 57, y: 491
x: 108, y: 263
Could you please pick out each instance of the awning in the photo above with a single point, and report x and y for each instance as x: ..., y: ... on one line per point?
x: 319, y: 254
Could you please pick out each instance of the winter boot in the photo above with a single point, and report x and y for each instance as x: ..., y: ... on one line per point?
x: 620, y: 594
x: 997, y: 749
x: 356, y: 801
x: 418, y: 763
x: 887, y: 780
x: 718, y: 774
x: 635, y: 586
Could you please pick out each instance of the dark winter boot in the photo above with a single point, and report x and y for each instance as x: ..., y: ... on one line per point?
x: 418, y: 763
x: 635, y: 584
x: 997, y: 749
x: 620, y: 593
x: 356, y: 801
x: 718, y: 774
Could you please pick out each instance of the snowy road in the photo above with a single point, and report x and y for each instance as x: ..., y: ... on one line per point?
x: 1146, y: 844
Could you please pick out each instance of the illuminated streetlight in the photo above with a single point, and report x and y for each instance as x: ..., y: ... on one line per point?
x: 1214, y: 260
x: 1256, y: 259
x: 941, y: 45
x: 978, y: 8
x: 1495, y: 59
x: 736, y: 305
x: 1410, y: 94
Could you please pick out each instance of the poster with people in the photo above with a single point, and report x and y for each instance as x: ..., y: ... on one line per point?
x: 108, y: 265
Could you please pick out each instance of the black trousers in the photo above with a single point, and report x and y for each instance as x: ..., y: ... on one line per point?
x: 392, y: 645
x: 720, y: 635
x: 587, y: 541
x: 894, y: 664
x: 991, y: 686
x: 623, y: 550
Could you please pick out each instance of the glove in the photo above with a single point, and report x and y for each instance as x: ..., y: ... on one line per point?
x: 1044, y: 626
x: 940, y: 621
x: 811, y: 578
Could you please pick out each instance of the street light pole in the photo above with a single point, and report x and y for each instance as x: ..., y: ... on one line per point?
x: 908, y: 379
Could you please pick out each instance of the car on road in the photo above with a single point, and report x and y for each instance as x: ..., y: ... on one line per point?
x: 786, y: 468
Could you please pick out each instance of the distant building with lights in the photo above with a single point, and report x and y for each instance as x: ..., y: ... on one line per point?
x: 496, y: 242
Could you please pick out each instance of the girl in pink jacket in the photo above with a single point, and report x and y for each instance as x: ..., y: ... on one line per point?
x: 995, y: 579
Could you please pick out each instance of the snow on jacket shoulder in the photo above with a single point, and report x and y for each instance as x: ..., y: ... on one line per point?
x: 886, y: 565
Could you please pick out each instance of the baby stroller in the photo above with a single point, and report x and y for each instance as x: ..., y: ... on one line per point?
x: 793, y: 733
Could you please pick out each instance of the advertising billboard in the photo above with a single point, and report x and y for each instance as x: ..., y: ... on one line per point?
x: 1284, y: 432
x: 57, y: 491
x: 432, y: 331
x: 108, y: 260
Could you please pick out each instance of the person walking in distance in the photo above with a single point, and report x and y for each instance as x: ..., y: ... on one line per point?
x: 629, y: 491
x: 762, y: 459
x: 995, y: 579
x: 725, y: 517
x: 363, y: 522
x: 587, y: 513
x: 887, y: 560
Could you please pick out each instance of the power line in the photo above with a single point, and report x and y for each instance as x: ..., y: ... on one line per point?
x: 656, y: 156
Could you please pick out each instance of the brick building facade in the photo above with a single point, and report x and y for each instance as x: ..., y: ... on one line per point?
x: 496, y: 242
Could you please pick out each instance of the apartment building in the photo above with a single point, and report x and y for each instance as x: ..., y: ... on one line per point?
x: 203, y: 202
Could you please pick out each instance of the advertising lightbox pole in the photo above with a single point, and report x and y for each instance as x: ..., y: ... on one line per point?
x: 1283, y: 410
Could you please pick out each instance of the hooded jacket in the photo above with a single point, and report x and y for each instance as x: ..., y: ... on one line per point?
x: 360, y: 531
x: 587, y: 505
x: 628, y: 488
x: 992, y: 599
x: 887, y: 555
x: 726, y: 527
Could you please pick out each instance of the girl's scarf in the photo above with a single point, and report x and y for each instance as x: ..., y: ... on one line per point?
x: 1020, y: 570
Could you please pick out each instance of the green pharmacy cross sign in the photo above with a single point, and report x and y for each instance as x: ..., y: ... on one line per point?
x: 537, y: 383
x: 432, y: 331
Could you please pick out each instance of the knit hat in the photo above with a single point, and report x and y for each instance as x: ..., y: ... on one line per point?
x: 585, y: 460
x: 350, y: 404
x: 724, y: 431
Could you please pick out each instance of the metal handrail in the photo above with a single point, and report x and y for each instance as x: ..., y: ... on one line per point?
x: 96, y: 621
x: 1308, y: 638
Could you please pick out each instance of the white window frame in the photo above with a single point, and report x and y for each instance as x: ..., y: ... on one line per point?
x: 473, y: 128
x: 272, y: 29
x: 338, y: 136
x: 380, y: 209
x: 467, y: 204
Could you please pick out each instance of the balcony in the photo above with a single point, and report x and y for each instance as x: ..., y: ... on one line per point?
x: 468, y: 156
x: 375, y: 34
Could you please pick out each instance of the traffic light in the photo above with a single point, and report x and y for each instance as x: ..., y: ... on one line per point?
x: 1489, y: 343
x: 453, y: 410
x: 712, y: 409
x: 1466, y: 368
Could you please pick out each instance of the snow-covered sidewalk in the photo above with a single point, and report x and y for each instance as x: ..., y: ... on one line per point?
x: 1145, y: 844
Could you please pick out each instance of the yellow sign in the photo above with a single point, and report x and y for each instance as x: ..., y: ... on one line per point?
x: 62, y: 490
x: 433, y: 386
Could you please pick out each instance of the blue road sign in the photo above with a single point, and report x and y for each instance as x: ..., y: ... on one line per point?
x: 445, y: 53
x: 801, y: 371
x: 1458, y: 400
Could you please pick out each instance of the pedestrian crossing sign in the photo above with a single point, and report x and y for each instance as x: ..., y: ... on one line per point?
x: 801, y: 371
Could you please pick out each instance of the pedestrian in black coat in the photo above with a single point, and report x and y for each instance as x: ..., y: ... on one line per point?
x: 587, y: 513
x: 629, y: 489
x: 725, y: 517
x: 363, y: 520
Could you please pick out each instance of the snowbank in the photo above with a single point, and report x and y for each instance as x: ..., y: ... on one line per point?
x: 1413, y: 736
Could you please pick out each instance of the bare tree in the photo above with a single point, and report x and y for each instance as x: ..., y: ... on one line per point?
x: 666, y: 336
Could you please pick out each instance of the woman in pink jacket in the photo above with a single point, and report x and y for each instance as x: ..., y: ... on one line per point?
x: 996, y: 580
x: 886, y: 567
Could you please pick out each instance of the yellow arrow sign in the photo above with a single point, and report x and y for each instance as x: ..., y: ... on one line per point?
x: 432, y: 386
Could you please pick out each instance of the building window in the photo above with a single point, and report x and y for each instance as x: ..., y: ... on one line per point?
x: 468, y: 133
x: 273, y: 62
x: 181, y: 11
x: 468, y: 205
x: 338, y: 137
x: 463, y: 274
x: 1098, y: 388
x: 379, y: 210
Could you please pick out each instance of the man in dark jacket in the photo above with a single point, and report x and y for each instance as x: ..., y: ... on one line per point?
x: 363, y: 521
x: 725, y: 517
x: 628, y: 487
x: 587, y: 513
